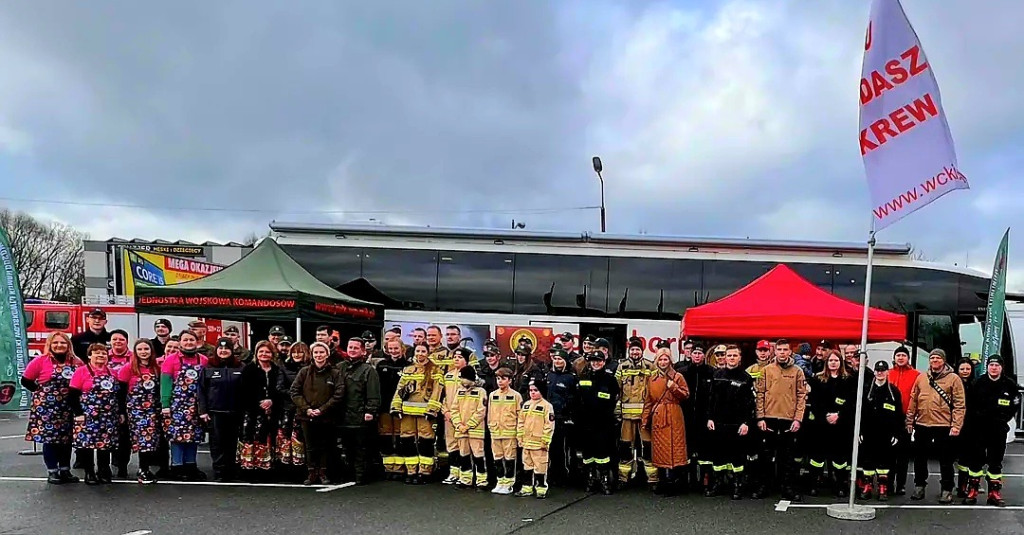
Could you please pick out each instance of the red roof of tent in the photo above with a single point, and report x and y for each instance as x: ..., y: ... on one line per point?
x: 782, y: 304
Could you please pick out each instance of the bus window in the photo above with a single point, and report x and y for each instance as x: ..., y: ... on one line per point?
x: 56, y: 319
x: 30, y: 316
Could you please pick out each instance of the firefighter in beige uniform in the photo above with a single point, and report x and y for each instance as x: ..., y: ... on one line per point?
x: 536, y: 426
x: 632, y: 374
x: 452, y: 383
x: 503, y: 420
x: 417, y: 401
x: 469, y: 417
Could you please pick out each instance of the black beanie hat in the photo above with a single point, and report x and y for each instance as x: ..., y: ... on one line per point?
x: 902, y: 349
x: 468, y: 372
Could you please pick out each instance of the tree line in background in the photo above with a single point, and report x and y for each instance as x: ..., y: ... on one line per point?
x: 50, y: 256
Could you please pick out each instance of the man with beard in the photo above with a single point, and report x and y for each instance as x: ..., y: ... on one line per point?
x: 439, y: 354
x: 634, y: 440
x: 162, y: 334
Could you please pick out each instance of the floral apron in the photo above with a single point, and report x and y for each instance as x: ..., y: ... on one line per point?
x: 49, y: 421
x: 99, y: 404
x: 144, y: 414
x: 255, y: 447
x: 184, y: 427
x: 290, y: 449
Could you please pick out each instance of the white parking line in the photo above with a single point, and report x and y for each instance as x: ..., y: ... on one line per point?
x: 139, y: 532
x: 336, y: 487
x: 193, y: 483
x: 784, y: 505
x: 12, y: 436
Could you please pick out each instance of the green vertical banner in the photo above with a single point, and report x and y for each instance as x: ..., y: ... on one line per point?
x: 13, y: 340
x: 996, y: 309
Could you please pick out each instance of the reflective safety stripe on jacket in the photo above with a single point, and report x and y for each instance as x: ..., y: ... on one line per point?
x: 536, y: 425
x: 633, y: 376
x: 503, y: 413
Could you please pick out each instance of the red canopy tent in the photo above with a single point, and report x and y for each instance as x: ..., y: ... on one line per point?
x: 782, y: 304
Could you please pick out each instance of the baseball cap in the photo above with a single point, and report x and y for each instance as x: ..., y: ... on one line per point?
x: 97, y: 313
x: 589, y: 339
x: 720, y: 348
x: 277, y: 330
x: 825, y: 344
x: 602, y: 342
x: 595, y: 355
x: 764, y: 344
x: 558, y: 352
x: 368, y: 336
x: 286, y: 340
x: 881, y: 366
x: 998, y: 359
x: 565, y: 337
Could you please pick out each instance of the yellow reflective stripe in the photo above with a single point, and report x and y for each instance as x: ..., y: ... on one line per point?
x: 869, y: 473
x: 839, y: 466
x: 433, y: 405
x: 840, y: 401
x: 604, y: 395
x: 977, y: 474
x: 533, y: 444
x: 994, y: 476
x: 426, y: 461
x: 413, y: 376
x: 817, y: 464
x: 1004, y: 402
x: 633, y: 406
x: 889, y: 406
x: 412, y: 462
x: 586, y: 382
x: 503, y: 433
x: 882, y: 472
x: 476, y: 433
x: 737, y: 469
x: 603, y: 460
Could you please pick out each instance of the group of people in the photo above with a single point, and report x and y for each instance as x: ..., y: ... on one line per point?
x: 513, y: 423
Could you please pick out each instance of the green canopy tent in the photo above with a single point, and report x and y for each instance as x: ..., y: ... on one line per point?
x: 265, y: 285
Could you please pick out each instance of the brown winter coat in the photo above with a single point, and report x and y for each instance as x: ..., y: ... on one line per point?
x: 664, y: 417
x: 781, y: 392
x: 928, y: 409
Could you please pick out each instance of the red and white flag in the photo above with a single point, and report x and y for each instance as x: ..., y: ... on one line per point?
x: 904, y: 138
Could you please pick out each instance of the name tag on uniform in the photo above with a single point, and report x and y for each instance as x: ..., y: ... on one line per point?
x: 840, y: 401
x: 586, y: 383
x: 889, y: 406
x: 539, y: 409
x: 1004, y: 402
x: 604, y: 395
x: 216, y: 375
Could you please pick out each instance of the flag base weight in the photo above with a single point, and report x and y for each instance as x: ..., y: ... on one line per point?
x: 845, y: 511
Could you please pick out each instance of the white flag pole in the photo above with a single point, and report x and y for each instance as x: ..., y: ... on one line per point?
x: 852, y: 511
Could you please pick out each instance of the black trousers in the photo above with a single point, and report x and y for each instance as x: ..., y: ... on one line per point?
x: 357, y: 443
x: 560, y: 454
x: 123, y: 454
x: 729, y: 448
x: 933, y: 441
x: 320, y: 443
x: 599, y: 446
x: 780, y: 445
x: 990, y: 448
x: 224, y: 428
x: 901, y: 459
x: 93, y: 459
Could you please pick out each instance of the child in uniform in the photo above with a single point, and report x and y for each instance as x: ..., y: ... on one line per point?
x: 536, y: 425
x: 468, y: 415
x: 502, y: 420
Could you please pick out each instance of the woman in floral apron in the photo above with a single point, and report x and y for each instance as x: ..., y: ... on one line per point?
x: 140, y: 383
x: 93, y: 397
x: 179, y: 392
x: 291, y: 451
x: 49, y: 423
x: 262, y: 393
x: 119, y: 357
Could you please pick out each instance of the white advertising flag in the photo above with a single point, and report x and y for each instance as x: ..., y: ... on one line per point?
x: 904, y: 138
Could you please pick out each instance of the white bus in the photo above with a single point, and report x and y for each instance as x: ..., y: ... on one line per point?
x: 612, y: 285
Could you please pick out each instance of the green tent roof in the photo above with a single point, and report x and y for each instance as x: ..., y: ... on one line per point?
x: 265, y: 284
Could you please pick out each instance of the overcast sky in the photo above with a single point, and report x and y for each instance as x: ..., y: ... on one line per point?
x: 713, y: 118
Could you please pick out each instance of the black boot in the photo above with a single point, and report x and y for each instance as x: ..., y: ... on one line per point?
x: 607, y: 481
x: 104, y: 475
x: 737, y: 486
x: 961, y: 484
x: 592, y: 479
x: 53, y: 477
x: 90, y: 477
x: 842, y: 484
x: 194, y: 473
x: 66, y: 476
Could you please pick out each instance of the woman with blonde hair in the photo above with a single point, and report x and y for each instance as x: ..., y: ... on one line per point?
x: 832, y: 405
x: 48, y: 377
x: 663, y: 416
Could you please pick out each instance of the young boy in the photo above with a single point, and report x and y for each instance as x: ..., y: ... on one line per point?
x: 452, y: 383
x: 502, y: 420
x: 468, y: 413
x: 536, y: 425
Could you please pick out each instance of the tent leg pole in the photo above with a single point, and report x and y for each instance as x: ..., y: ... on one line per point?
x: 298, y: 329
x: 860, y: 376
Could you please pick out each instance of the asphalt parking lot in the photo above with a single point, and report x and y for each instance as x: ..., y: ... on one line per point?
x: 29, y: 506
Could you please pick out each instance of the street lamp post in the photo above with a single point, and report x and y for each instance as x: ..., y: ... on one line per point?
x: 597, y: 169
